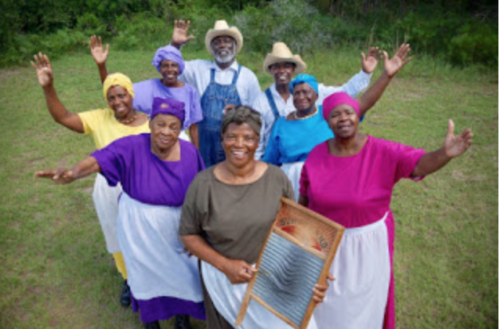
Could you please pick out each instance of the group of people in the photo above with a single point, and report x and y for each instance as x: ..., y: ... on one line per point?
x: 185, y: 215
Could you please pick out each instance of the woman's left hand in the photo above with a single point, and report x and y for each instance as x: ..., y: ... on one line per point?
x: 396, y: 63
x: 455, y: 145
x: 319, y: 290
x: 369, y: 63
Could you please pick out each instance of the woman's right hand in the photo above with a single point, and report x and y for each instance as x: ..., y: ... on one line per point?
x: 98, y: 52
x: 238, y: 271
x: 43, y: 70
x: 61, y: 175
x: 180, y: 33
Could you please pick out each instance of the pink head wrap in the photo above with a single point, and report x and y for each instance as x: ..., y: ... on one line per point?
x: 336, y: 99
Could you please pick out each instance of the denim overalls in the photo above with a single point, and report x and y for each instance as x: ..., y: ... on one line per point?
x: 213, y: 101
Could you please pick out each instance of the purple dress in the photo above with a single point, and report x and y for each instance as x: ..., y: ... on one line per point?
x: 356, y: 192
x: 145, y: 91
x: 163, y: 278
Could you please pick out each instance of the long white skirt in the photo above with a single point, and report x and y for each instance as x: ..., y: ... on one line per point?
x: 362, y: 270
x: 106, y: 205
x: 227, y: 299
x: 157, y: 264
x: 292, y: 171
x: 184, y: 136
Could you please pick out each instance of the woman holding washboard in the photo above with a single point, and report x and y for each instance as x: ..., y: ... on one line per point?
x: 227, y: 214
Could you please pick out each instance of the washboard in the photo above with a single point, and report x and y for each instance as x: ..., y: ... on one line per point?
x: 297, y: 253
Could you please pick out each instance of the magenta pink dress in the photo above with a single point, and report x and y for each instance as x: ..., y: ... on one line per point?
x: 356, y: 191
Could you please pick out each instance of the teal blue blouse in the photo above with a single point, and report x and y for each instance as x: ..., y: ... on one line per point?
x: 293, y: 140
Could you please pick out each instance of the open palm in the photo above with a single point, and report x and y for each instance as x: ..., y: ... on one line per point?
x: 393, y: 65
x: 180, y: 34
x: 369, y: 63
x: 455, y: 145
x: 99, y: 53
x: 43, y: 70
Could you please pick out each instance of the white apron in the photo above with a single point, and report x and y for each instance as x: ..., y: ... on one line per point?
x: 106, y: 205
x: 362, y: 270
x: 157, y: 264
x: 227, y: 299
x: 293, y: 170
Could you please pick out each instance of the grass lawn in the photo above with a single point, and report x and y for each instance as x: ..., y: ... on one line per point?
x: 56, y: 272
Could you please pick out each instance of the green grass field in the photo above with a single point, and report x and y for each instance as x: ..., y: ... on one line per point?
x: 56, y: 272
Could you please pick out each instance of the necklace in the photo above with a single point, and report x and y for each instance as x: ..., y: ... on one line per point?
x: 127, y: 121
x: 305, y: 117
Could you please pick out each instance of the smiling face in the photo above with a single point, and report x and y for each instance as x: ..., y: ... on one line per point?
x: 120, y: 101
x: 169, y: 71
x: 223, y: 49
x: 282, y: 73
x: 240, y: 142
x: 165, y: 130
x: 343, y: 121
x: 304, y: 97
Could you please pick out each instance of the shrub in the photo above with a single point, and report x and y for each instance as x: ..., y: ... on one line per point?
x: 89, y: 24
x: 141, y: 31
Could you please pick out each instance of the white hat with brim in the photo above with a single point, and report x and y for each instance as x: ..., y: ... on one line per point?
x: 282, y: 54
x: 222, y: 29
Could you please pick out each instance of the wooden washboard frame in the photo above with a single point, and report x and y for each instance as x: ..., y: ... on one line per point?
x: 306, y: 231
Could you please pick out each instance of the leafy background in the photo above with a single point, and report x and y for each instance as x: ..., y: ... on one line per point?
x: 461, y: 32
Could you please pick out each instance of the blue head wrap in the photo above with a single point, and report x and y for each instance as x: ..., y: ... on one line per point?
x: 169, y: 53
x: 168, y: 106
x: 304, y: 78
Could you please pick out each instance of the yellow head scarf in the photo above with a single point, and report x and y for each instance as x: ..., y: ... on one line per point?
x: 117, y: 79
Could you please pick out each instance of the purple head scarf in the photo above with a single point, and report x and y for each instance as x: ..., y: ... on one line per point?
x: 169, y: 53
x: 337, y: 99
x: 168, y: 106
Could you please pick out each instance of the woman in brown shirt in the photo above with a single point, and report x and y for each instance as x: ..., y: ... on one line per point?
x: 228, y: 211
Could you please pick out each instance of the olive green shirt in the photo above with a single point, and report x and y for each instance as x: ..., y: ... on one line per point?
x: 234, y: 219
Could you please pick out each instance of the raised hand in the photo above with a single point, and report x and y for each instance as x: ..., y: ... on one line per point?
x: 43, y: 70
x: 369, y: 63
x: 180, y: 33
x: 98, y: 52
x: 396, y: 63
x: 456, y: 145
x: 61, y: 176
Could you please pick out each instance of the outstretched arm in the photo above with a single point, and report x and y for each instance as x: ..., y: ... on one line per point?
x: 453, y: 146
x: 100, y: 55
x: 391, y: 67
x: 56, y: 108
x: 180, y: 34
x: 83, y: 168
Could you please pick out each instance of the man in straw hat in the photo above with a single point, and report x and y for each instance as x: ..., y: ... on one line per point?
x: 222, y: 82
x: 276, y: 101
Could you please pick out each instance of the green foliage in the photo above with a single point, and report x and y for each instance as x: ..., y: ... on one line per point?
x: 89, y: 24
x: 463, y: 34
x: 474, y: 43
x: 140, y: 31
x: 55, y: 44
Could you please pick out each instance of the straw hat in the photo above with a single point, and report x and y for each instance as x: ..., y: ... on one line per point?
x: 221, y: 28
x: 282, y: 54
